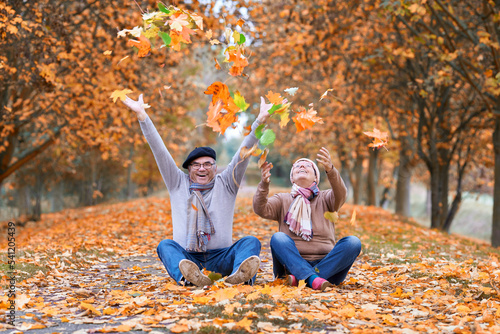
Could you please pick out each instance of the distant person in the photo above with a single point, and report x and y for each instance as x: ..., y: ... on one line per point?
x: 202, y: 210
x: 305, y: 246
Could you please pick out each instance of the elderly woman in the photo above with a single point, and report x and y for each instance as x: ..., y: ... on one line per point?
x: 305, y: 246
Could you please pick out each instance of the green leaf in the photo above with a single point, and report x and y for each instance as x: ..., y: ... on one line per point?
x: 258, y: 131
x: 274, y: 108
x: 239, y: 100
x: 242, y: 39
x: 135, y: 294
x: 214, y: 276
x: 162, y: 8
x: 268, y: 137
x: 165, y: 37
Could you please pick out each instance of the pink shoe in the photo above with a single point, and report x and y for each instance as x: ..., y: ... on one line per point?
x: 292, y: 280
x: 321, y: 284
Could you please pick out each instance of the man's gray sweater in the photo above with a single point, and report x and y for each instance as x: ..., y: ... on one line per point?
x: 221, y: 207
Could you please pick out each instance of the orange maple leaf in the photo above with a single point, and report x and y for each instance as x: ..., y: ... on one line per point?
x: 379, y: 138
x: 175, y: 40
x: 239, y: 61
x: 274, y: 98
x: 142, y: 44
x: 305, y: 119
x: 222, y: 110
x: 217, y: 65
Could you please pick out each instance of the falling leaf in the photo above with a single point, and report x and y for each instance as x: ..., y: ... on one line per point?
x: 178, y: 22
x: 305, y: 119
x: 274, y: 98
x: 331, y: 216
x: 194, y: 207
x: 326, y: 93
x: 240, y: 22
x: 353, y: 218
x: 107, y: 52
x: 136, y: 32
x: 268, y: 137
x: 122, y: 60
x: 379, y: 138
x: 120, y: 94
x: 217, y: 65
x: 239, y: 100
x: 263, y: 157
x: 197, y: 19
x: 142, y: 44
x: 165, y: 37
x: 292, y: 91
x: 245, y: 152
x: 334, y: 96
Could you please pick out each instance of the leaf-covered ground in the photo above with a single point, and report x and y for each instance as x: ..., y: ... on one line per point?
x: 95, y: 270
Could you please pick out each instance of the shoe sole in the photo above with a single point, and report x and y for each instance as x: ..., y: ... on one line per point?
x: 192, y: 273
x: 292, y: 281
x: 325, y: 285
x: 246, y: 271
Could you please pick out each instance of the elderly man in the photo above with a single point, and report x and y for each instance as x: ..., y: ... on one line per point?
x: 202, y: 210
x: 305, y: 246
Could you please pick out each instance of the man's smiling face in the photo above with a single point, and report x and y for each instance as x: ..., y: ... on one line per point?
x: 203, y: 175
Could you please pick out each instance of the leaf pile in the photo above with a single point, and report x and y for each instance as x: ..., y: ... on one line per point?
x: 99, y: 269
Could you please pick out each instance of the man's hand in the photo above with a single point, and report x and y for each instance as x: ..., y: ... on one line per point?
x: 325, y: 159
x: 264, y: 110
x: 137, y: 107
x: 265, y: 172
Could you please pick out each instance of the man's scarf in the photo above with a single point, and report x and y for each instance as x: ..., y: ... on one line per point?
x: 199, y: 224
x: 298, y: 217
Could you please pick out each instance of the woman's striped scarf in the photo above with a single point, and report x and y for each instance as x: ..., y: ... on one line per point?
x: 298, y: 217
x: 200, y: 225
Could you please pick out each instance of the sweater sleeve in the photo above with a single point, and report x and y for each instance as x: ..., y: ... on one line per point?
x: 171, y: 174
x: 337, y: 196
x: 265, y: 207
x: 235, y: 164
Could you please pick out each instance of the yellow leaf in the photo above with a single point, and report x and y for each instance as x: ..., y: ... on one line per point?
x: 244, y: 324
x: 462, y: 309
x: 107, y: 52
x: 331, y: 216
x: 255, y: 295
x: 120, y: 94
x: 91, y: 308
x: 388, y: 320
x: 348, y: 311
x: 109, y: 311
x: 201, y: 300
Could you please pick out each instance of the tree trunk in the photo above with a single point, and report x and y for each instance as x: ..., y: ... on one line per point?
x: 455, y: 206
x: 372, y: 178
x: 358, y: 184
x: 403, y: 185
x: 344, y: 174
x: 384, y: 201
x: 495, y: 233
x: 36, y: 210
x: 439, y: 195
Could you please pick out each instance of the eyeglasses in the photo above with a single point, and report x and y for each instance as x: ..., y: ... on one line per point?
x: 302, y: 164
x: 206, y: 165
